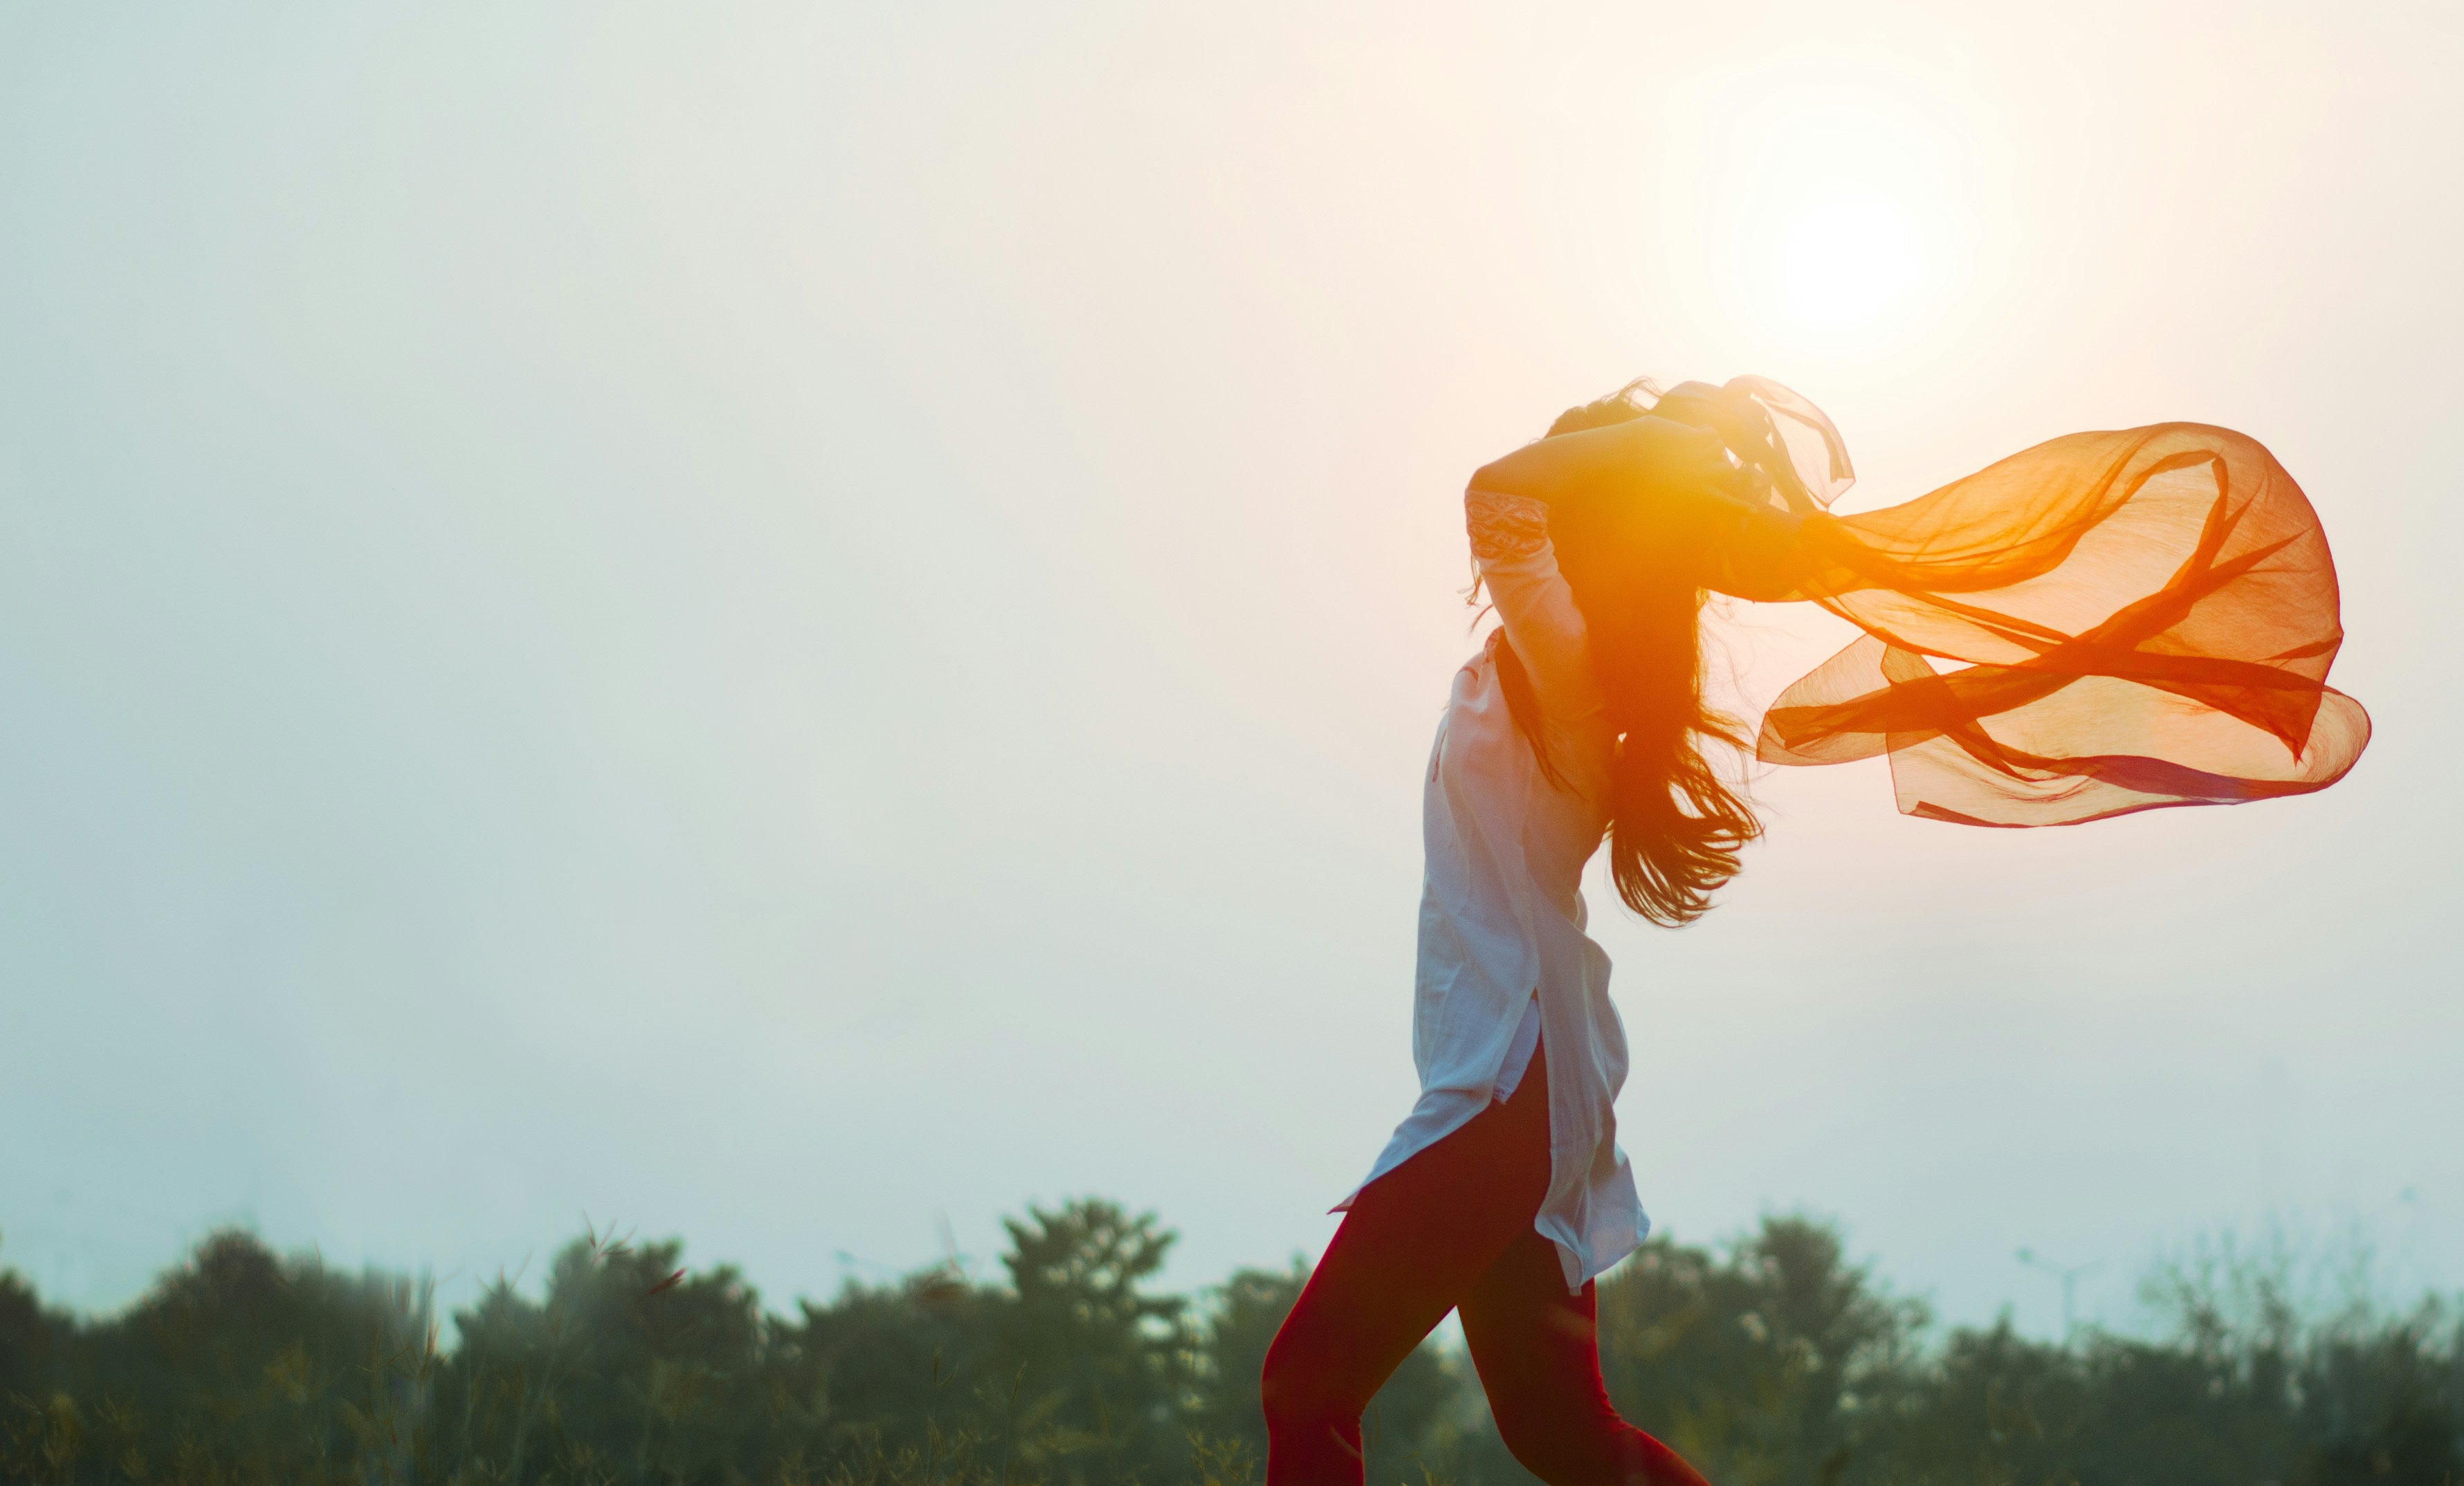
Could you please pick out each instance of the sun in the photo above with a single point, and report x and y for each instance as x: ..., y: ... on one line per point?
x: 1847, y: 262
x: 1845, y: 217
x: 1826, y: 206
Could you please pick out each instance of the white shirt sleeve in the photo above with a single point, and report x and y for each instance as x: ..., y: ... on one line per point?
x: 1509, y: 541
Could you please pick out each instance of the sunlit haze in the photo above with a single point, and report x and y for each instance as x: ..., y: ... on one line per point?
x: 775, y: 624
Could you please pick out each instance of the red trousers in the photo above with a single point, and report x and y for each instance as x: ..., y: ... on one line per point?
x: 1450, y: 1229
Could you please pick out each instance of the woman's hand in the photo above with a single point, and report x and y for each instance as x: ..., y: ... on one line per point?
x: 1633, y: 460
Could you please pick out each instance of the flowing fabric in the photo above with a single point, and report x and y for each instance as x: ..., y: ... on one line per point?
x: 2104, y: 624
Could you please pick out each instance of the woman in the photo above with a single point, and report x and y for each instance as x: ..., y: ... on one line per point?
x: 2140, y: 618
x: 1503, y: 1194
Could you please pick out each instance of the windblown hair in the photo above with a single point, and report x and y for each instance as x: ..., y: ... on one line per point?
x: 1675, y: 826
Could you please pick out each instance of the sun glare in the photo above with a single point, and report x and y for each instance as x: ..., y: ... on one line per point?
x: 1827, y: 206
x: 1842, y: 207
x: 1843, y: 263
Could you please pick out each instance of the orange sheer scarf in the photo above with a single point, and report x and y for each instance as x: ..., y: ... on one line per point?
x: 2130, y: 619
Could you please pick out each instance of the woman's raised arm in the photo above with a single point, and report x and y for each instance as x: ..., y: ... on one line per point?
x: 1620, y: 461
x: 1510, y: 543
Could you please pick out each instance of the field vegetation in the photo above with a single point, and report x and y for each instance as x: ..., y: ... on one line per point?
x: 1772, y: 1361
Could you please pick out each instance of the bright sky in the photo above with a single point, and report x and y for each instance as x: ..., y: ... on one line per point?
x: 775, y: 621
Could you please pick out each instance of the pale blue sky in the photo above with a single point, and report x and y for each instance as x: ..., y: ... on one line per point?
x: 768, y: 622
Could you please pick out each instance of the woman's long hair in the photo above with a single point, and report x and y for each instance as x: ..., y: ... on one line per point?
x: 1675, y: 827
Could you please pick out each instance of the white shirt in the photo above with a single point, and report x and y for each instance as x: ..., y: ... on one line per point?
x: 1504, y: 961
x: 1518, y: 1052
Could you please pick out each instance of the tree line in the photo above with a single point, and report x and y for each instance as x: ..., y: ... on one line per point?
x: 1773, y: 1358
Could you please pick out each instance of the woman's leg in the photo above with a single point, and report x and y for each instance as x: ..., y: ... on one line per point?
x: 1414, y: 1241
x: 1537, y: 1349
